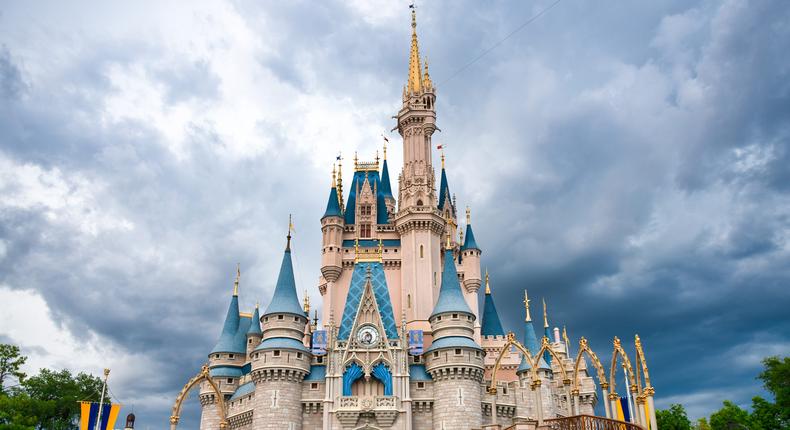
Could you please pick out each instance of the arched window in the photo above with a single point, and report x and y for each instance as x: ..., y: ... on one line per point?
x: 419, y: 202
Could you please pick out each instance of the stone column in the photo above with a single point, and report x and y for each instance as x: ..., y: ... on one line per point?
x: 613, y: 399
x: 538, y: 401
x: 640, y: 401
x: 493, y: 405
x: 649, y: 392
x: 606, y: 404
x: 576, y: 400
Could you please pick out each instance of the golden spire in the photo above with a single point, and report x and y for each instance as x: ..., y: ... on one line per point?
x: 236, y: 283
x: 528, y: 317
x: 377, y: 157
x: 426, y: 78
x: 257, y: 304
x: 334, y: 178
x: 545, y: 315
x: 385, y: 150
x: 488, y: 288
x: 415, y: 78
x: 306, y: 303
x: 442, y: 157
x: 340, y: 181
x: 468, y: 216
x: 567, y: 341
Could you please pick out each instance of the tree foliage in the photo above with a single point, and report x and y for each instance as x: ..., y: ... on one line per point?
x: 730, y: 417
x: 49, y: 400
x: 776, y: 379
x: 11, y: 361
x: 674, y: 418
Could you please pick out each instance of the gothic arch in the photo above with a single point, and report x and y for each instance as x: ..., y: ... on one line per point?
x: 511, y: 341
x: 641, y: 362
x: 546, y: 346
x: 202, y: 376
x: 584, y: 348
x: 618, y: 351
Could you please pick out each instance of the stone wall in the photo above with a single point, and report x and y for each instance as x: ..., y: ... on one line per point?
x: 209, y: 417
x: 278, y: 405
x: 457, y: 404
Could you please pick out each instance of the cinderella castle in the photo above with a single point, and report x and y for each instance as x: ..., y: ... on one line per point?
x: 403, y: 342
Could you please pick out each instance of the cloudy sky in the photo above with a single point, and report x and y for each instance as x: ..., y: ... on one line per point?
x: 628, y: 161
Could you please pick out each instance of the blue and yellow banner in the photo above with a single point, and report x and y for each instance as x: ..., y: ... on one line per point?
x: 90, y: 413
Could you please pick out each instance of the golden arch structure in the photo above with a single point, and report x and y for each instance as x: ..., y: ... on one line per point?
x: 202, y: 376
x: 644, y: 396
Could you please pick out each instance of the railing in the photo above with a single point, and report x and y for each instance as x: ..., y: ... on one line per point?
x: 588, y: 422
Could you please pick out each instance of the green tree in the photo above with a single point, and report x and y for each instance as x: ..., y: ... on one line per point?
x: 674, y: 418
x: 731, y: 417
x: 766, y: 415
x: 10, y: 362
x: 59, y: 393
x: 702, y: 424
x: 776, y: 378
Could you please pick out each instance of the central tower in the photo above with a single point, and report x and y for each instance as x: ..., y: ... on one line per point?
x: 418, y: 220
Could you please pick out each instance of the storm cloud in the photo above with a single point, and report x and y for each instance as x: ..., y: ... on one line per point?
x: 626, y: 161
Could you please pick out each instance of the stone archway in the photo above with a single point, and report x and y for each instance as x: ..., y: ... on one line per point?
x: 202, y: 376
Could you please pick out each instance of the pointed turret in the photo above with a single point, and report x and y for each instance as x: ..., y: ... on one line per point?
x: 469, y: 237
x: 386, y: 188
x: 333, y: 204
x: 415, y: 77
x: 255, y: 323
x: 492, y: 326
x: 451, y: 298
x: 530, y: 340
x: 285, y: 300
x: 226, y: 342
x: 445, y: 198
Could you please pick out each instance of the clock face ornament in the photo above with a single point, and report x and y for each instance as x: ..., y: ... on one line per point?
x: 368, y: 336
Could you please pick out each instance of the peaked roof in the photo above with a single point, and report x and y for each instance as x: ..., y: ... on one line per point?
x: 444, y: 191
x: 469, y: 239
x: 351, y: 204
x: 333, y: 204
x: 355, y: 292
x: 451, y: 299
x: 285, y: 299
x: 229, y: 328
x: 532, y: 344
x: 385, y: 188
x: 255, y: 323
x: 492, y: 326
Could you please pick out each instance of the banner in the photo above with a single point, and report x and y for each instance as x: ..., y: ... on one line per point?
x: 415, y: 342
x: 319, y: 342
x: 89, y: 414
x: 624, y: 409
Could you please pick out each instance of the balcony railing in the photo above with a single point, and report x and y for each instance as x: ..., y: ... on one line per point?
x: 588, y: 422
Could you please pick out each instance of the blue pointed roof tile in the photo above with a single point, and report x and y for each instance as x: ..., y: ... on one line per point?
x: 285, y: 299
x: 386, y: 189
x: 255, y: 323
x: 533, y: 345
x: 229, y: 328
x: 469, y: 239
x: 444, y: 190
x: 451, y: 299
x: 492, y: 326
x: 333, y: 204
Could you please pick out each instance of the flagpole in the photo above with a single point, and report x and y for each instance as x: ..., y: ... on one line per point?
x: 628, y: 396
x: 101, y: 402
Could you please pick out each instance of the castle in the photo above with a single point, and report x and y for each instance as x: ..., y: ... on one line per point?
x: 402, y: 343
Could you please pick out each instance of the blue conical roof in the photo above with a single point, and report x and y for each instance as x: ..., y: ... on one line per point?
x: 255, y: 323
x: 386, y: 189
x: 333, y: 205
x: 532, y: 344
x: 285, y: 299
x: 492, y: 326
x: 469, y: 239
x: 451, y: 299
x: 444, y: 190
x: 547, y: 355
x: 226, y: 342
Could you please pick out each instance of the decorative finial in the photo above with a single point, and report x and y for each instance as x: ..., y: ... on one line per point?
x: 290, y: 227
x: 315, y: 319
x: 377, y: 157
x: 236, y: 282
x: 306, y: 303
x: 340, y: 180
x: 257, y: 304
x: 528, y: 317
x: 468, y: 216
x: 334, y: 177
x: 385, y: 151
x: 442, y: 158
x: 545, y: 315
x: 488, y: 288
x: 567, y: 341
x: 356, y: 160
x: 415, y: 75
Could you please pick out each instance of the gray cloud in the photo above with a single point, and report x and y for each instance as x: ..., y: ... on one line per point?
x: 628, y: 163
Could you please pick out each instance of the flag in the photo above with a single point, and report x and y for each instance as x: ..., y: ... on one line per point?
x: 89, y: 413
x: 338, y: 157
x: 623, y: 410
x: 411, y: 6
x: 647, y: 414
x: 415, y: 342
x: 319, y: 342
x: 439, y: 146
x: 385, y: 138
